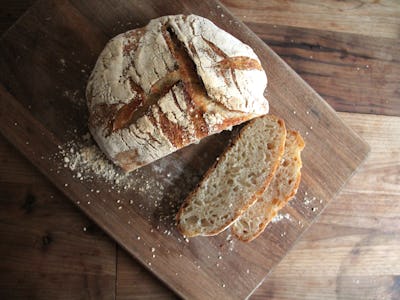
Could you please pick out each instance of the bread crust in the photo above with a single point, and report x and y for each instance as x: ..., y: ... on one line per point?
x: 171, y: 83
x: 251, y: 200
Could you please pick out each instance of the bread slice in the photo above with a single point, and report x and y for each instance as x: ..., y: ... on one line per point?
x: 241, y: 174
x: 283, y: 187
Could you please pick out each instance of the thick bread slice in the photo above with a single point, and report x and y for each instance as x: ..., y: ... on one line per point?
x: 282, y: 188
x: 241, y: 174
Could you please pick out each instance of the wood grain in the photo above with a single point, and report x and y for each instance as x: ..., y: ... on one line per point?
x: 135, y: 282
x: 352, y: 217
x: 379, y: 18
x: 313, y: 285
x: 353, y: 250
x: 11, y: 10
x: 50, y: 110
x: 354, y: 73
x: 45, y: 253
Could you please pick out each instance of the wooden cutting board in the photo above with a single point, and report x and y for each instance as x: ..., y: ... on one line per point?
x: 45, y: 59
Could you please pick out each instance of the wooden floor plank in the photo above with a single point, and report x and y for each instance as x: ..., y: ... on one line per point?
x: 354, y: 73
x: 353, y: 250
x: 380, y: 18
x: 48, y: 249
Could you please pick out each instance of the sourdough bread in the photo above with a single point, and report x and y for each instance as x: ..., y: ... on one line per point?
x: 232, y: 185
x: 283, y: 187
x: 159, y: 88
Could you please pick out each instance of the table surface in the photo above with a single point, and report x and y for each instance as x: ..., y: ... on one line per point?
x: 348, y: 51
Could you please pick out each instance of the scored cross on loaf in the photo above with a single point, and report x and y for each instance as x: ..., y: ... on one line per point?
x: 159, y: 88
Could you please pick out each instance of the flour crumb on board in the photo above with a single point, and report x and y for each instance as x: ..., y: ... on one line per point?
x: 158, y: 189
x: 312, y: 202
x: 280, y: 217
x: 76, y: 97
x: 86, y: 159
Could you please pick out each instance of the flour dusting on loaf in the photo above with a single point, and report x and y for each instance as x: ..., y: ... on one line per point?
x: 159, y: 88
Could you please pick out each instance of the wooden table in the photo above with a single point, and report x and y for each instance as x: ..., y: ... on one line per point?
x: 349, y: 52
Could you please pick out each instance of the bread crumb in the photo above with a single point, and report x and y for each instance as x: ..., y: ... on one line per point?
x: 308, y: 200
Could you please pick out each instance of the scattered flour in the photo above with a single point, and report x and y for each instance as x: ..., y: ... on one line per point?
x: 280, y: 217
x: 86, y: 159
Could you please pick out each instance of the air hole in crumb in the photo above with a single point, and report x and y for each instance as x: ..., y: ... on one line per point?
x: 205, y: 222
x: 193, y: 219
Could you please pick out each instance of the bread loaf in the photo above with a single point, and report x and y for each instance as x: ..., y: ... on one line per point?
x: 159, y: 88
x: 283, y: 187
x: 240, y: 175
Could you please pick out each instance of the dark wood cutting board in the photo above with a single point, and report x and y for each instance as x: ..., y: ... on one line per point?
x: 45, y: 60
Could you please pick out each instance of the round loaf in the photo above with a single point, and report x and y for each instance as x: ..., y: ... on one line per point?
x: 159, y: 88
